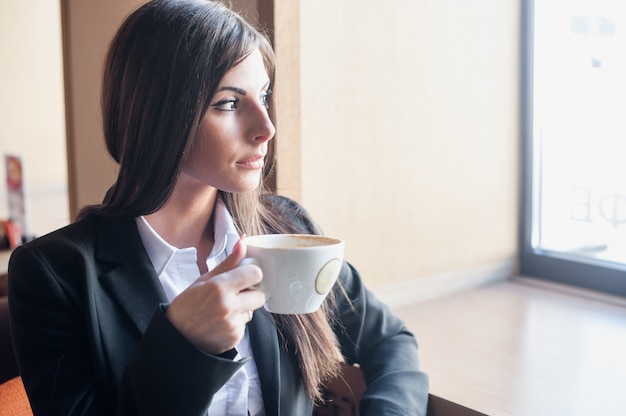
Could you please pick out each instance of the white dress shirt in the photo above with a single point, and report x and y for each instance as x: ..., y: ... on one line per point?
x: 177, y: 269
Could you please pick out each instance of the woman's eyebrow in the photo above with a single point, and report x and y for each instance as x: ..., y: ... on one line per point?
x: 239, y: 90
x: 235, y: 89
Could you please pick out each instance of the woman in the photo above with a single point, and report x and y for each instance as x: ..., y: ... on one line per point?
x: 141, y: 306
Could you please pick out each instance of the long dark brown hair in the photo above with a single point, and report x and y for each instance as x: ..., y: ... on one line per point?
x: 162, y: 69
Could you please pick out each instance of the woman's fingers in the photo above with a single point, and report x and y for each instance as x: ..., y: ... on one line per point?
x: 213, y: 312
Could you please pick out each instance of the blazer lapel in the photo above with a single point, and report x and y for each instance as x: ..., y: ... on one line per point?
x: 129, y: 277
x: 265, y: 347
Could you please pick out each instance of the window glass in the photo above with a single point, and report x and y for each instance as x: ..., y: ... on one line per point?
x: 579, y: 130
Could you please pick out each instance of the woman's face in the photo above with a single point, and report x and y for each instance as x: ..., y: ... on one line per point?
x: 229, y: 151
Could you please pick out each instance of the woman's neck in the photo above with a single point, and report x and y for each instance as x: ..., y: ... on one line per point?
x: 186, y: 219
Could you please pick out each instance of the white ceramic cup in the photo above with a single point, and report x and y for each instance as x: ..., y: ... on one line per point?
x: 299, y: 270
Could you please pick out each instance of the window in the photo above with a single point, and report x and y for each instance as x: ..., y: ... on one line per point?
x: 574, y: 193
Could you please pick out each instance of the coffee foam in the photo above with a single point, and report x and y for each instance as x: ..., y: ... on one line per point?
x: 290, y: 241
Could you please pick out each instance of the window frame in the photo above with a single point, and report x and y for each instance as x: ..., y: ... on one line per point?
x: 604, y: 277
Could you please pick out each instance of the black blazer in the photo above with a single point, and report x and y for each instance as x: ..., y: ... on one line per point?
x: 91, y: 337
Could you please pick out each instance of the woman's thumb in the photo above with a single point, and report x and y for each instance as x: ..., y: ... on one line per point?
x: 232, y: 261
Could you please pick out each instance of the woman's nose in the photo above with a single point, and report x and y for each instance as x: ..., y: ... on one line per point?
x: 264, y: 129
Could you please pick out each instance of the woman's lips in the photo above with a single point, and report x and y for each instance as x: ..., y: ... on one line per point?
x: 254, y: 162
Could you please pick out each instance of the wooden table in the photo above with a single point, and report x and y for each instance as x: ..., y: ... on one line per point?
x: 525, y: 348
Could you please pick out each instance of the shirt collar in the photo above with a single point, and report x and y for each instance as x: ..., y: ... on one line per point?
x: 161, y: 252
x: 225, y: 233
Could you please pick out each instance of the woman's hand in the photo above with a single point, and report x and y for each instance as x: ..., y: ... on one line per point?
x: 213, y: 312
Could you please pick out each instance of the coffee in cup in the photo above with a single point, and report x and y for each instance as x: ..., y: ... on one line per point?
x: 299, y: 270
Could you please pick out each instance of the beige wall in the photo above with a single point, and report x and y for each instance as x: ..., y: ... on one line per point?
x: 409, y: 136
x: 32, y: 116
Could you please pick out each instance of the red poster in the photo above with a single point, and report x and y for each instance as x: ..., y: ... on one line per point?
x: 15, y: 193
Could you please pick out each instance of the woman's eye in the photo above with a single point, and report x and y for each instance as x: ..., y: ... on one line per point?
x: 265, y: 98
x: 226, y: 105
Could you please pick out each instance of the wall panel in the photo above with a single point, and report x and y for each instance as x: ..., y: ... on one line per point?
x: 410, y: 131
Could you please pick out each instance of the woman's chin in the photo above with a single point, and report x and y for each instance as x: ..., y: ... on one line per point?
x: 243, y: 188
